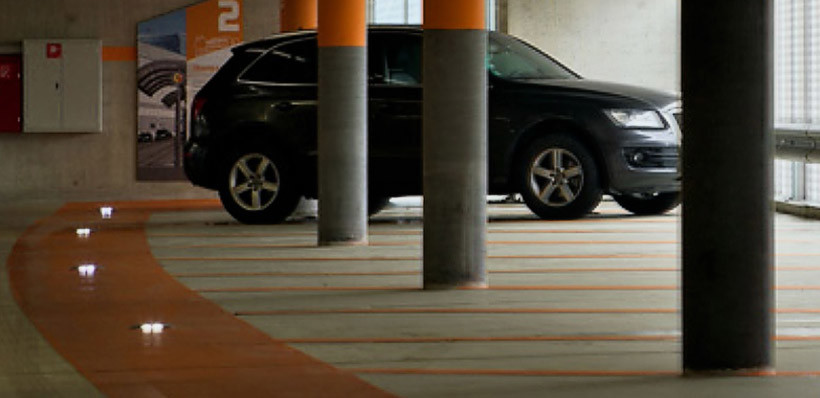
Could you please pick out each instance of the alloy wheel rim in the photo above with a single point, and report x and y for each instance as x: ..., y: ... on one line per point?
x: 254, y: 182
x: 556, y: 177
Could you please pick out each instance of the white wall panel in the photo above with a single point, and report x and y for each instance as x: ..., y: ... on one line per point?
x: 626, y: 41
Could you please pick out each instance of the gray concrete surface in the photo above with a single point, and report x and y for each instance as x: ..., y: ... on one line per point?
x: 29, y: 366
x: 362, y: 308
x: 455, y: 157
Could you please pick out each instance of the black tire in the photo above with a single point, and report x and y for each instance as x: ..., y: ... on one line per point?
x: 650, y: 203
x: 375, y: 204
x: 558, y: 178
x: 258, y: 185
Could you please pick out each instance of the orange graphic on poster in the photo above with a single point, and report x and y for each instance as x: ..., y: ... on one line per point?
x: 212, y: 26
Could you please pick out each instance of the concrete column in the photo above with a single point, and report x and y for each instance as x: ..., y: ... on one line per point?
x: 342, y: 123
x: 297, y: 15
x: 455, y: 144
x: 727, y: 186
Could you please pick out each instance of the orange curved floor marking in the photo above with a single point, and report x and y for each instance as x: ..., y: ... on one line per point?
x: 90, y: 322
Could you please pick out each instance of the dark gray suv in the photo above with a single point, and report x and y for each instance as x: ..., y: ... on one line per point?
x: 557, y: 139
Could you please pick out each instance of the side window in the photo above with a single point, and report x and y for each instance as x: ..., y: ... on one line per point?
x: 402, y: 55
x: 294, y: 62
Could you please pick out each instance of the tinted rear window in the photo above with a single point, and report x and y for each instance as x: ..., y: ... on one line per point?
x: 294, y: 62
x: 232, y: 68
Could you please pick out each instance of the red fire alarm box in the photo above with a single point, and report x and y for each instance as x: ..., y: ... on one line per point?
x: 54, y: 50
x: 11, y: 93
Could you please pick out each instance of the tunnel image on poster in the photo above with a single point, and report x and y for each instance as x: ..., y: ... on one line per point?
x: 177, y: 53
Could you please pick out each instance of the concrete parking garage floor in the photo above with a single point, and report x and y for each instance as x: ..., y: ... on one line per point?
x: 584, y: 308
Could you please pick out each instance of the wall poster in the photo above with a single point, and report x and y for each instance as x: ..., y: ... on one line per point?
x: 177, y: 53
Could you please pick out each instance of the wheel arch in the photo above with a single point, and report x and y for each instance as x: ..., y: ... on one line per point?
x: 258, y: 134
x: 555, y: 126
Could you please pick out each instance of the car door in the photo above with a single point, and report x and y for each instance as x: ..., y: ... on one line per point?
x: 395, y: 113
x: 281, y: 89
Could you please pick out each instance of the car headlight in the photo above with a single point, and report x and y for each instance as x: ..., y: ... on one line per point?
x: 635, y: 118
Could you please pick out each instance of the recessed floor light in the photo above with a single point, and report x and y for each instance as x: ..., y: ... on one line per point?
x: 106, y: 211
x: 83, y: 232
x: 87, y: 270
x: 151, y: 327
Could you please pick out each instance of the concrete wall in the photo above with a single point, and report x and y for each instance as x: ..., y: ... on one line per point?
x: 95, y: 166
x: 627, y: 41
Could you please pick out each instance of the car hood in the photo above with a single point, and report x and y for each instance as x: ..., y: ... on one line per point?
x: 657, y: 98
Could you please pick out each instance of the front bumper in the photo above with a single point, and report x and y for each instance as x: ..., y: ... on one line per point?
x: 644, y: 162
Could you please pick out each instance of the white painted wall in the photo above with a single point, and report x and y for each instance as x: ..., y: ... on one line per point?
x: 627, y: 41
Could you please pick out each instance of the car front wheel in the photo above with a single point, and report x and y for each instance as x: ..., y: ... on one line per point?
x: 559, y: 178
x: 649, y: 203
x: 258, y: 187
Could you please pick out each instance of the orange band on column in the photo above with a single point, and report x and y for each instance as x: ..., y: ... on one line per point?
x: 455, y: 14
x: 342, y: 23
x: 298, y: 15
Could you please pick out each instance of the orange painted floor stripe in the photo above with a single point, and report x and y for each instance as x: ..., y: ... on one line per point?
x: 241, y: 274
x: 416, y: 258
x: 515, y: 372
x: 289, y: 274
x: 462, y: 311
x: 493, y: 311
x: 90, y: 321
x: 388, y: 244
x: 566, y: 373
x: 485, y: 339
x: 508, y: 339
x: 256, y: 289
x: 272, y: 259
x: 415, y: 232
x: 404, y: 273
x: 252, y: 289
x: 622, y: 219
x: 489, y: 257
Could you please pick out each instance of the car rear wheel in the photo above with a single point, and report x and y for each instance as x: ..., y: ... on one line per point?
x: 649, y: 203
x: 559, y: 178
x: 258, y: 187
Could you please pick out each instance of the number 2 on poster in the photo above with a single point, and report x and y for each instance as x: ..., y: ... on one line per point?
x: 229, y: 19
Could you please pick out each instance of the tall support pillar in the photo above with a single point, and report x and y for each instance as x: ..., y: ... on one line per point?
x: 297, y: 15
x: 727, y: 185
x: 455, y: 144
x: 342, y: 122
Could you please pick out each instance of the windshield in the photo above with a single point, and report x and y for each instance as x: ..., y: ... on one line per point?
x: 510, y: 58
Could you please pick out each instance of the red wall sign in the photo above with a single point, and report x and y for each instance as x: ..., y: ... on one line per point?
x: 54, y: 50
